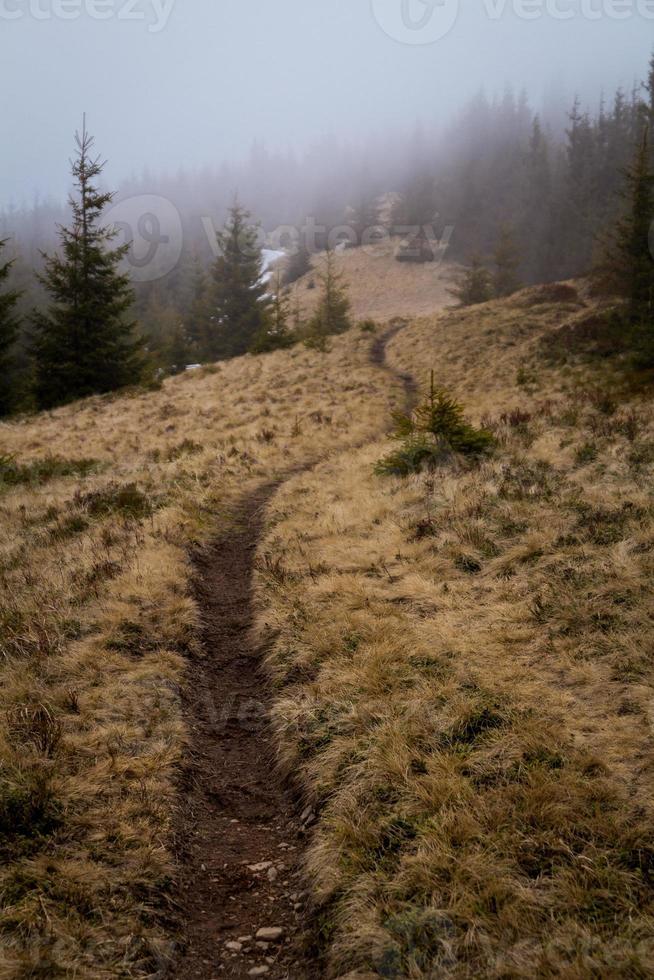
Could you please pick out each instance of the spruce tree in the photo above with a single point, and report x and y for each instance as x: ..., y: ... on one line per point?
x: 239, y: 300
x: 8, y: 335
x: 198, y: 318
x: 581, y: 192
x: 363, y: 218
x: 299, y: 263
x: 417, y: 207
x: 84, y: 343
x: 535, y: 217
x: 506, y: 259
x: 649, y: 108
x: 475, y: 285
x: 297, y: 322
x: 332, y: 314
x: 629, y: 265
x: 275, y: 335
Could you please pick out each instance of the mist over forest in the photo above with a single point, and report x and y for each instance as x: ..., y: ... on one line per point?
x: 461, y: 119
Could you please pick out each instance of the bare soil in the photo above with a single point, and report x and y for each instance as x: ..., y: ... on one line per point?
x: 240, y: 828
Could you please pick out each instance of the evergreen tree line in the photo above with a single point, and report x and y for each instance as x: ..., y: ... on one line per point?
x: 529, y: 205
x: 237, y: 310
x: 84, y: 340
x: 556, y: 192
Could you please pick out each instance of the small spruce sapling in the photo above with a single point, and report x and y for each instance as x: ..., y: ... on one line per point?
x: 431, y: 434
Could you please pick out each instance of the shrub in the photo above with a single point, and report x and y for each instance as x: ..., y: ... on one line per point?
x: 116, y: 498
x: 432, y: 434
x: 13, y: 473
x: 35, y: 725
x: 187, y: 447
x: 586, y: 454
x: 28, y: 809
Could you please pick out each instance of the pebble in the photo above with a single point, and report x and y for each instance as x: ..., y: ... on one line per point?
x: 258, y: 971
x: 245, y: 939
x: 262, y: 866
x: 272, y: 934
x: 234, y: 946
x: 273, y: 874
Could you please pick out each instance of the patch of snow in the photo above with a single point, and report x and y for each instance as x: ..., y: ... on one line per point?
x: 269, y: 257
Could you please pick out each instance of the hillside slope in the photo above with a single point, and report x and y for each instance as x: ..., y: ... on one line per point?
x: 460, y: 670
x: 464, y: 673
x: 380, y: 287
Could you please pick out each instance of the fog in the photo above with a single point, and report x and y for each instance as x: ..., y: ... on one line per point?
x: 191, y: 83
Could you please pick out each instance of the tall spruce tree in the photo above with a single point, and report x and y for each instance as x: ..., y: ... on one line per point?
x: 275, y: 335
x: 363, y: 218
x: 239, y: 302
x: 649, y: 106
x: 8, y: 335
x: 581, y: 191
x: 628, y: 265
x: 535, y: 215
x: 299, y: 263
x: 84, y: 344
x: 198, y: 321
x: 475, y: 285
x: 506, y: 259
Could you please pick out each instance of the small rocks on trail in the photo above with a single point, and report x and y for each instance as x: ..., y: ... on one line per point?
x: 258, y: 868
x: 270, y: 935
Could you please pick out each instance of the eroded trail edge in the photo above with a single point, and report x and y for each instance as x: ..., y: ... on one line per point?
x: 241, y: 830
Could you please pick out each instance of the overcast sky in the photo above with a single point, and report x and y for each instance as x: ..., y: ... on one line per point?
x: 189, y: 82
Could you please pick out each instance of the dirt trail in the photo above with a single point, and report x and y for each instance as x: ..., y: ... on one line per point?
x: 241, y: 829
x: 241, y: 833
x: 378, y: 357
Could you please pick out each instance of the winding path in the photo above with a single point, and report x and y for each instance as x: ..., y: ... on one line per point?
x: 241, y: 833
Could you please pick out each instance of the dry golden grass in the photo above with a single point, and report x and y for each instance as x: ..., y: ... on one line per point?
x: 464, y: 673
x: 379, y: 287
x: 462, y: 660
x: 95, y: 619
